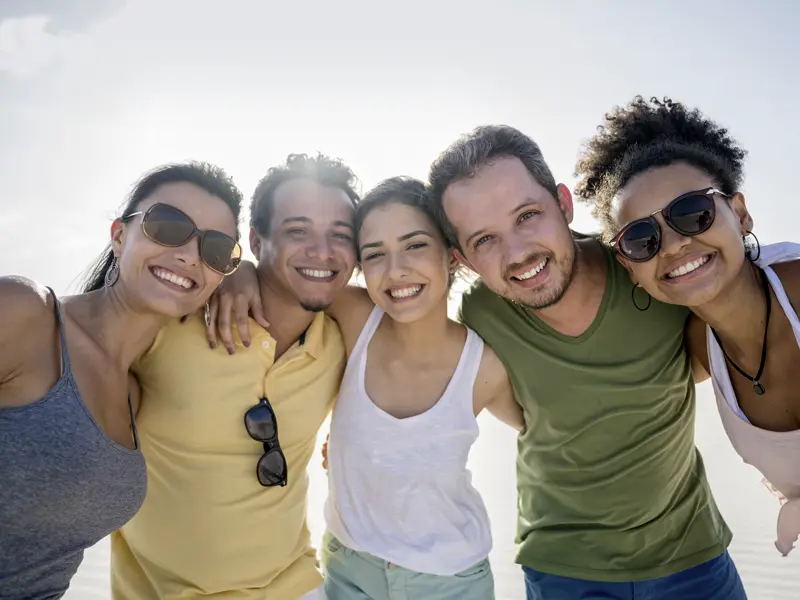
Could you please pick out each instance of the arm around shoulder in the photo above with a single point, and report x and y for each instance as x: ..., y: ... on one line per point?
x: 495, y: 392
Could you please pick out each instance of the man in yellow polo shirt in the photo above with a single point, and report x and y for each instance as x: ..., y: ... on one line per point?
x: 225, y: 513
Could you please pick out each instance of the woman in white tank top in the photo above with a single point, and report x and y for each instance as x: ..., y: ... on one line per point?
x: 665, y: 181
x: 403, y: 517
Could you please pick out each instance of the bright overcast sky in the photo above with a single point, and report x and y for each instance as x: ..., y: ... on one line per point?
x: 93, y: 93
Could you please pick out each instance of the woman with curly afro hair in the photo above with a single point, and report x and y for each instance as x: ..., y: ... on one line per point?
x: 665, y: 183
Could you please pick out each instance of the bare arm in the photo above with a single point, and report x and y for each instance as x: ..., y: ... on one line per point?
x: 695, y: 341
x: 494, y: 391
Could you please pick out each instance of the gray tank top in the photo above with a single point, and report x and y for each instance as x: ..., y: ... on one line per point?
x: 64, y: 485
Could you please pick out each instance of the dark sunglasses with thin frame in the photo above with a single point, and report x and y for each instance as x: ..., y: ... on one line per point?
x: 262, y: 426
x: 689, y: 214
x: 171, y: 227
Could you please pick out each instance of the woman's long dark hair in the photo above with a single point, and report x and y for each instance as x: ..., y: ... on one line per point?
x: 208, y: 177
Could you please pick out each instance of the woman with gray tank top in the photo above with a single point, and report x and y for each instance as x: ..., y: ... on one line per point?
x: 674, y: 208
x: 404, y: 519
x: 70, y: 470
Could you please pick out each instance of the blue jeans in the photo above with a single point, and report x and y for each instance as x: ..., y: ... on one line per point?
x: 716, y: 579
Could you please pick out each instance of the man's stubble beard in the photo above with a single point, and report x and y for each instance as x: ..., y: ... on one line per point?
x: 314, y: 307
x: 558, y: 294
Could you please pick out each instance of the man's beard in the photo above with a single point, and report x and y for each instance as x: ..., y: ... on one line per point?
x: 314, y: 306
x: 556, y: 295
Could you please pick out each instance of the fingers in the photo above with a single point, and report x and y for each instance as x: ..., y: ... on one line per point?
x: 224, y: 323
x: 211, y: 321
x: 258, y: 310
x: 240, y: 307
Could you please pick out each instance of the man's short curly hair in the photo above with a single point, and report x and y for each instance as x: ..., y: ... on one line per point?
x: 643, y: 135
x: 326, y: 171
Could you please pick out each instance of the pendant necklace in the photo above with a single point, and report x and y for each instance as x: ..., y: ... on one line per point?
x: 758, y: 388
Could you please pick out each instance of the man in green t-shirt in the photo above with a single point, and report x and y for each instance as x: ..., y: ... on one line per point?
x: 613, y: 497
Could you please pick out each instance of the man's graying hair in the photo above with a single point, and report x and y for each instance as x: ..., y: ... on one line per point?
x: 469, y: 153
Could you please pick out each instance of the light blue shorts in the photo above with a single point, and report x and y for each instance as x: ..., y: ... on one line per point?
x: 351, y: 575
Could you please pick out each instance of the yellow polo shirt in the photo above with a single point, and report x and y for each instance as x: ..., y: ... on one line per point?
x: 207, y: 528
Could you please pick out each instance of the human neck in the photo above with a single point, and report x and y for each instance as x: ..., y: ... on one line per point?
x: 742, y: 338
x: 576, y: 310
x: 288, y: 320
x: 421, y: 339
x: 120, y: 329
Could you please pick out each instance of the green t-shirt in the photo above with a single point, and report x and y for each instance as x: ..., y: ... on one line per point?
x: 611, y: 486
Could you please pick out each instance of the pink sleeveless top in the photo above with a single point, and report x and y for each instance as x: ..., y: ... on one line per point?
x: 775, y: 453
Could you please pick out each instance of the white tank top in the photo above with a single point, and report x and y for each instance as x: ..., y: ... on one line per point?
x: 399, y: 489
x: 775, y: 453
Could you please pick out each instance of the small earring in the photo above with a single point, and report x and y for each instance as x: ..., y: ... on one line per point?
x: 112, y: 275
x: 633, y: 298
x: 752, y: 247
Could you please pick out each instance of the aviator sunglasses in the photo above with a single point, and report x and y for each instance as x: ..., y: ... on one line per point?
x: 689, y: 214
x: 168, y: 226
x: 262, y: 426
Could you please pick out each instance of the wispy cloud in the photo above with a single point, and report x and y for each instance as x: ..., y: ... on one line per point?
x: 26, y: 46
x: 62, y: 16
x: 36, y: 33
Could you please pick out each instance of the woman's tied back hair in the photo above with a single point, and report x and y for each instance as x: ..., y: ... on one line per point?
x: 643, y: 135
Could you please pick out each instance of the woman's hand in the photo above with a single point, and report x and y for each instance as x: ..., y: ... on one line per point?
x: 238, y: 294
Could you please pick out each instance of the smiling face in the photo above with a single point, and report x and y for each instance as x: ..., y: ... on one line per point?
x: 689, y: 271
x: 513, y: 233
x: 308, y: 255
x: 170, y: 281
x: 405, y: 261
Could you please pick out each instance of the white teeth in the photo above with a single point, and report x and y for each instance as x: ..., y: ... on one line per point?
x: 533, y: 272
x: 173, y: 278
x: 688, y: 267
x: 406, y: 292
x: 317, y: 273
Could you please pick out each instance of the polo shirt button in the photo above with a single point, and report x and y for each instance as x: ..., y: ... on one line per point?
x: 265, y: 345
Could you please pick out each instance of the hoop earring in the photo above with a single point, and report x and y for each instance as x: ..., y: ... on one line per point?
x: 633, y: 298
x: 752, y: 248
x: 112, y: 275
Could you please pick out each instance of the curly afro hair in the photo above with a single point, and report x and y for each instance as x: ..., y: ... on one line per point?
x: 642, y: 135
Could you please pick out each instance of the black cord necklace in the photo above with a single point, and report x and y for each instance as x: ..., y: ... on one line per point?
x: 758, y: 388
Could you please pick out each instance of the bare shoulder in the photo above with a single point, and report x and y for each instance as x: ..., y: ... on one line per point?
x: 24, y: 301
x: 789, y: 274
x: 26, y: 317
x: 351, y: 309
